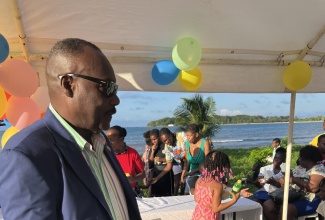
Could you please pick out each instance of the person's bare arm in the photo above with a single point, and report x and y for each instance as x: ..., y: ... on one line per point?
x: 152, y: 153
x: 185, y: 168
x: 217, y: 206
x: 206, y: 148
x: 274, y: 182
x: 137, y: 178
x: 195, y: 197
x: 167, y: 168
x: 311, y: 186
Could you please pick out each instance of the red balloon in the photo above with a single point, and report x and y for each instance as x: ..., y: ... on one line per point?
x: 22, y: 112
x: 18, y: 78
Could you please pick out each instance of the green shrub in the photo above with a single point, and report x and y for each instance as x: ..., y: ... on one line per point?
x: 259, y: 155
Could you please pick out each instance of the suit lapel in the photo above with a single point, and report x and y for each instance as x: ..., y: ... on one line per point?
x: 72, y: 155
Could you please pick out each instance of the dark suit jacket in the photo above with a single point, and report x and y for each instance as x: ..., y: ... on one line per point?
x: 43, y: 175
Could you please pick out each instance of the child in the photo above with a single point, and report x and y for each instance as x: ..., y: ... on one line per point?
x: 209, y: 188
x: 256, y: 170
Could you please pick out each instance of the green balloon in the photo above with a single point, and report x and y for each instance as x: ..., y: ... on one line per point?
x: 186, y: 53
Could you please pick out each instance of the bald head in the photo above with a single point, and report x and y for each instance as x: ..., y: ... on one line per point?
x: 62, y: 59
x: 65, y: 49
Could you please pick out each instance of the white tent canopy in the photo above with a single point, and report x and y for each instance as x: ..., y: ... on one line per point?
x: 246, y: 45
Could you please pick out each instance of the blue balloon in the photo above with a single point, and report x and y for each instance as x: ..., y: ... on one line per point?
x: 4, y: 48
x: 7, y: 123
x: 164, y: 72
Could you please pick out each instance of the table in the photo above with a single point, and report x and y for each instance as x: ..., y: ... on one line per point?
x: 181, y: 208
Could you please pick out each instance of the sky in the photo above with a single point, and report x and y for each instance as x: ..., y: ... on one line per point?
x: 137, y: 109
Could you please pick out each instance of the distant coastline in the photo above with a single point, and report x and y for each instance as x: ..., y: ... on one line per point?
x: 239, y: 119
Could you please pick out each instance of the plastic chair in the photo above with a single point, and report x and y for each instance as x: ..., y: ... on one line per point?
x: 315, y: 216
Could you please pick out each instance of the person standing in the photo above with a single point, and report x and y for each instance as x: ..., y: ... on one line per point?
x: 176, y: 152
x: 128, y: 157
x: 275, y: 145
x: 196, y: 150
x: 209, y: 187
x: 161, y: 163
x: 63, y: 166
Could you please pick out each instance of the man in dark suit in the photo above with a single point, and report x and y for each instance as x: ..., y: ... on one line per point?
x: 62, y: 166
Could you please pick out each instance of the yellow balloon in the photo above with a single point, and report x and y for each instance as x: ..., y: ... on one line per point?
x: 3, y: 102
x: 297, y: 75
x: 7, y: 135
x: 191, y: 80
x: 314, y: 142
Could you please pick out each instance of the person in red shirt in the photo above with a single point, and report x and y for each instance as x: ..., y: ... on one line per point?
x: 128, y: 157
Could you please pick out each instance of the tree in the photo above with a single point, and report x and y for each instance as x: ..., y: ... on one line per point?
x: 198, y: 111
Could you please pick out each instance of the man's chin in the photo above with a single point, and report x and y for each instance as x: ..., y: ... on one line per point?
x: 105, y: 126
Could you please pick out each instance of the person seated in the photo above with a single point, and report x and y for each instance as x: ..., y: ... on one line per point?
x: 269, y: 176
x: 128, y: 157
x: 321, y: 207
x: 256, y: 170
x: 307, y: 177
x: 321, y: 146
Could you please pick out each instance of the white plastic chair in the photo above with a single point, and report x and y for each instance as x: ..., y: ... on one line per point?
x: 315, y: 216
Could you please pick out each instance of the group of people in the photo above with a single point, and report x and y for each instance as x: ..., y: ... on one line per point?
x: 172, y: 160
x: 307, y: 178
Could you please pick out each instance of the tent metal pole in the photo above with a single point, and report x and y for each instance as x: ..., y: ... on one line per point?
x: 288, y: 158
x: 301, y: 56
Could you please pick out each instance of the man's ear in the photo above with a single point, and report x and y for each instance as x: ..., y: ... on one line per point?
x: 67, y: 85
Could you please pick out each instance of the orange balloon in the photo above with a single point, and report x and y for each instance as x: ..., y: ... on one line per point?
x: 41, y: 98
x: 3, y: 102
x: 22, y: 112
x: 7, y: 135
x: 18, y: 78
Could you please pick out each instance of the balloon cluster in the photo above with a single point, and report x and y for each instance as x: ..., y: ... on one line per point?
x: 22, y: 101
x: 297, y: 75
x: 186, y: 56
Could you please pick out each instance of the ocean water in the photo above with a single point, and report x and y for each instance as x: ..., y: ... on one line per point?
x: 237, y: 136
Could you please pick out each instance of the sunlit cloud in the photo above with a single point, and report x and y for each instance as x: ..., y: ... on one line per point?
x: 228, y: 112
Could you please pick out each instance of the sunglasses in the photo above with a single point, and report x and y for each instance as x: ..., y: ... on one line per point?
x: 109, y: 88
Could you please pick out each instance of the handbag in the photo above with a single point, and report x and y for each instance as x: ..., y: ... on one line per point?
x: 294, y: 195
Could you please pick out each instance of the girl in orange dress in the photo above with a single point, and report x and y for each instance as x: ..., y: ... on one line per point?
x: 209, y: 188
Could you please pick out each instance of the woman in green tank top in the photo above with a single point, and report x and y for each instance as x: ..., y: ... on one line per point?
x: 196, y: 150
